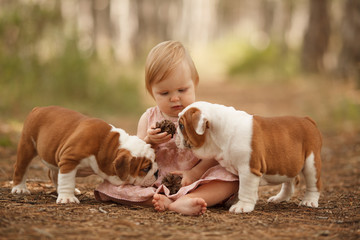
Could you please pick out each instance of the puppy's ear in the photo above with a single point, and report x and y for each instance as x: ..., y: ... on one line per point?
x: 200, y: 123
x: 135, y: 164
x: 122, y: 163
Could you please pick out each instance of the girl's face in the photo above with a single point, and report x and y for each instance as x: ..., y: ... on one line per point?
x: 175, y: 92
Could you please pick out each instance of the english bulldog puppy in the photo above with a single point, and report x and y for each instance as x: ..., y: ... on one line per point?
x: 72, y: 144
x: 260, y: 150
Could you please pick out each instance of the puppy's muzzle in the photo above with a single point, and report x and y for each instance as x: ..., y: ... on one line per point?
x: 156, y: 174
x: 187, y: 144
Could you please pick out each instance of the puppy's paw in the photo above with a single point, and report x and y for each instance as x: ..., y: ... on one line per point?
x: 309, y: 203
x: 20, y: 189
x: 310, y: 199
x: 278, y: 199
x: 242, y: 207
x: 66, y: 198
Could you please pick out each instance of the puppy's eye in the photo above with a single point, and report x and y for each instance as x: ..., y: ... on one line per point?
x: 181, y: 126
x: 147, y: 169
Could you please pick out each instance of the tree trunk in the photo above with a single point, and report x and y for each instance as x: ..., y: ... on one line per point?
x: 101, y: 12
x: 316, y: 38
x: 349, y: 59
x: 125, y: 25
x: 198, y: 21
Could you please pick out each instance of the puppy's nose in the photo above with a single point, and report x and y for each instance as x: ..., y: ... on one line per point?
x: 156, y: 173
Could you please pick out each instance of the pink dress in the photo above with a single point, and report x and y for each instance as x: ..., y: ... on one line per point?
x: 169, y: 159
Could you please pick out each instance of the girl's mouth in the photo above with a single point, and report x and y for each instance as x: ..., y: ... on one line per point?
x: 178, y: 107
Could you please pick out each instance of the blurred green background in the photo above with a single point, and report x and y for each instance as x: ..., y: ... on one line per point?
x: 89, y: 55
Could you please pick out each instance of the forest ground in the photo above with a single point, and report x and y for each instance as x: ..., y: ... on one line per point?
x: 37, y: 216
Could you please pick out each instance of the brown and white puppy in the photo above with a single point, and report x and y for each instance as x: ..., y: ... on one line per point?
x: 259, y: 150
x: 72, y: 144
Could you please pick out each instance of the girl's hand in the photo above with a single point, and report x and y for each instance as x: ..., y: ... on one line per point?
x: 194, y: 174
x: 155, y: 137
x: 188, y: 177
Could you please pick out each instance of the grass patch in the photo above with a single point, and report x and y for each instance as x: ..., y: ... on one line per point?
x: 346, y: 114
x: 5, y: 141
x: 269, y: 64
x: 69, y: 80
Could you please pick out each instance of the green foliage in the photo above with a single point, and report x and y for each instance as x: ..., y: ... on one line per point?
x: 5, y: 141
x: 346, y: 112
x: 273, y: 62
x: 40, y: 65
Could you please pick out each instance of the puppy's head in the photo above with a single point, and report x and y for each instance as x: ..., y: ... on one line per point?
x: 135, y: 162
x: 191, y: 128
x: 140, y: 171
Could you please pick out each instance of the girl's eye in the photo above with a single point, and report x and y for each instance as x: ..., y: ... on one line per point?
x: 163, y: 93
x: 182, y: 90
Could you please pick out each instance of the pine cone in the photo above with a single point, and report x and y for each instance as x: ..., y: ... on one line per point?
x: 167, y: 126
x: 172, y: 182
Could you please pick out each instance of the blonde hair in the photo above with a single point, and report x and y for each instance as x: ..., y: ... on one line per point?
x: 163, y: 59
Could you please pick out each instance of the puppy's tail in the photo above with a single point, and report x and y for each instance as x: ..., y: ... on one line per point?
x: 311, y: 120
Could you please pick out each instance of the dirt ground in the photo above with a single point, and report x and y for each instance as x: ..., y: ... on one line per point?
x: 37, y: 216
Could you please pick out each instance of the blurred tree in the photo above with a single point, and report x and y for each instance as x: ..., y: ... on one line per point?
x: 316, y: 38
x: 101, y: 12
x: 124, y: 29
x: 349, y: 59
x: 198, y: 21
x: 276, y: 22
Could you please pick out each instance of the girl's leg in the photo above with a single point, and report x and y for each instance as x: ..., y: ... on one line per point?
x: 195, y: 203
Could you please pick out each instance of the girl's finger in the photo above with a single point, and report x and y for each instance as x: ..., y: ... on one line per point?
x: 177, y: 173
x: 153, y: 131
x: 159, y: 135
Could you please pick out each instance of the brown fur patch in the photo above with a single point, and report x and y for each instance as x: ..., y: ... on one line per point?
x: 122, y: 164
x: 138, y: 166
x: 280, y: 145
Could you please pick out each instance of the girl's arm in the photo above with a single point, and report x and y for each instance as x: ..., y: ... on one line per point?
x: 194, y: 174
x: 143, y: 126
x: 150, y: 134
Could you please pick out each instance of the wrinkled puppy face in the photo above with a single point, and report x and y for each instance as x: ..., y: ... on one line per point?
x: 135, y: 163
x: 139, y: 171
x: 191, y: 128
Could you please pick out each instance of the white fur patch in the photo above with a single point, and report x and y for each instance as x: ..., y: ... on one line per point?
x: 21, y: 188
x: 312, y: 194
x: 287, y: 190
x: 310, y: 172
x: 66, y: 187
x: 200, y: 128
x: 224, y: 134
x: 136, y: 146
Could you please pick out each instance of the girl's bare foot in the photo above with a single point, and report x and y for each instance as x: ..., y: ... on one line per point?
x: 188, y: 206
x: 161, y: 202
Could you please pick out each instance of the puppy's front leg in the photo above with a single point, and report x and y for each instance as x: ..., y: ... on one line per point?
x: 66, y: 187
x: 248, y: 193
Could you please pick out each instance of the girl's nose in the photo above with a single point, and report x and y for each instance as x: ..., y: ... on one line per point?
x: 174, y: 98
